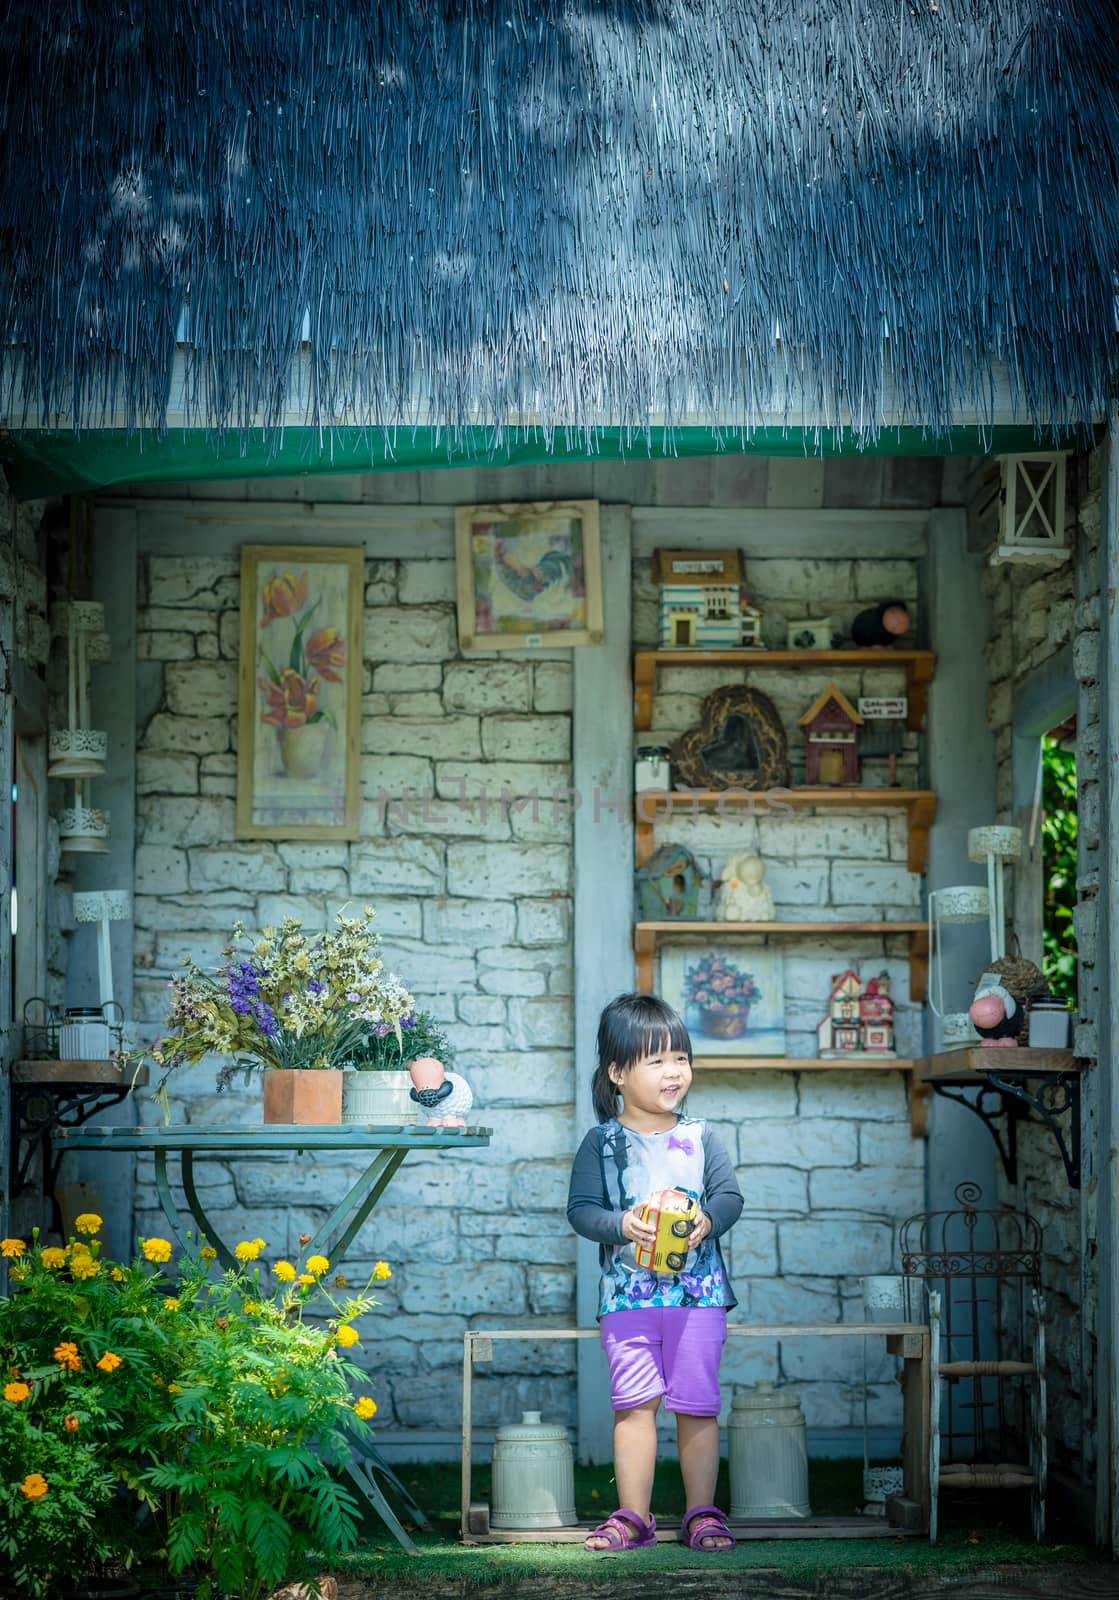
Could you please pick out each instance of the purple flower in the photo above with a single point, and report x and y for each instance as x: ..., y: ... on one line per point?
x: 244, y: 988
x: 408, y: 1022
x: 314, y: 987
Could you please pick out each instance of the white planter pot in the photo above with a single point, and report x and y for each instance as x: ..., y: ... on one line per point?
x: 379, y: 1097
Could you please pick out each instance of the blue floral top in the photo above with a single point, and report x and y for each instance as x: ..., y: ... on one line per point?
x: 614, y: 1170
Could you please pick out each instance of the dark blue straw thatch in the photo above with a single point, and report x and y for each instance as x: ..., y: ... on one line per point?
x: 588, y: 214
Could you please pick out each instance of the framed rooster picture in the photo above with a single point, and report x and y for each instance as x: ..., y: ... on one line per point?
x: 529, y: 575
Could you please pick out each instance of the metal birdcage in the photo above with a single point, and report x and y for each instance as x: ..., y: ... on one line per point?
x: 975, y: 1272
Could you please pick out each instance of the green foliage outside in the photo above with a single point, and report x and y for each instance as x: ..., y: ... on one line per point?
x: 1058, y: 794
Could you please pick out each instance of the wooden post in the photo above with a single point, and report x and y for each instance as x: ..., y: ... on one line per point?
x: 603, y: 781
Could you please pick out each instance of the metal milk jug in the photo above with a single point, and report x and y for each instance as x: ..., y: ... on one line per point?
x: 533, y: 1475
x: 768, y: 1451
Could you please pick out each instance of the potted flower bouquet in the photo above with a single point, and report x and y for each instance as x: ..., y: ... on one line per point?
x: 379, y: 1090
x: 294, y: 1004
x: 722, y: 995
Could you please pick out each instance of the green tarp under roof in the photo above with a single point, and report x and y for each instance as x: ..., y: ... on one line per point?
x: 43, y: 464
x: 234, y: 216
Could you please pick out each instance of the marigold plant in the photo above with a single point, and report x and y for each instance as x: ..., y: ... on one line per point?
x: 220, y: 1419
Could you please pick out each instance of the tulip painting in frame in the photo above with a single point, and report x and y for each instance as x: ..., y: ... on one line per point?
x: 300, y: 692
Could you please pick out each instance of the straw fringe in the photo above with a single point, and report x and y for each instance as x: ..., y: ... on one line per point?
x: 587, y: 214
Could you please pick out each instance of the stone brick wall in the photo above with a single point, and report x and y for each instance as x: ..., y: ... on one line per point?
x: 475, y: 909
x: 1036, y: 614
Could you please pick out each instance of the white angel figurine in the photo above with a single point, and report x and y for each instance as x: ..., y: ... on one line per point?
x: 743, y: 894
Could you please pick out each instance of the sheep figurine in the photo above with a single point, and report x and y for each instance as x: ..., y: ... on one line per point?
x: 439, y: 1091
x: 743, y: 893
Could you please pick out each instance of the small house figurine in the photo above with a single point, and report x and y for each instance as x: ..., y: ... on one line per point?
x: 751, y: 618
x: 668, y: 885
x: 860, y: 1019
x: 830, y: 725
x: 703, y: 605
x: 882, y: 735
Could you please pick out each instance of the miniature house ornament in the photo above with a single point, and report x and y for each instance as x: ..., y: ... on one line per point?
x: 830, y: 725
x: 860, y: 1019
x: 703, y: 605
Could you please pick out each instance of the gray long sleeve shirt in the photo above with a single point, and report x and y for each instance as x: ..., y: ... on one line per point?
x: 616, y: 1168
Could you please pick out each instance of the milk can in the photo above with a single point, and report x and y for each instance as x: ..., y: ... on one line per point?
x: 768, y: 1452
x: 533, y: 1475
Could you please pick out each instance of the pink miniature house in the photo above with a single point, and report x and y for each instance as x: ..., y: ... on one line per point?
x: 860, y: 1019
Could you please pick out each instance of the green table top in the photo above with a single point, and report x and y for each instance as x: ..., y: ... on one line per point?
x: 275, y: 1136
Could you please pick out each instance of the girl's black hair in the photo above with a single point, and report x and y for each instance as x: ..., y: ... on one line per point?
x: 632, y: 1026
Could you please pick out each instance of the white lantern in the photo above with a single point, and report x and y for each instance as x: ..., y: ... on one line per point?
x: 103, y: 906
x: 965, y: 902
x: 1031, y: 507
x: 995, y: 845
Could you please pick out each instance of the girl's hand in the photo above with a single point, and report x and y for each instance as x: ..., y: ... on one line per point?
x: 639, y: 1232
x: 700, y: 1231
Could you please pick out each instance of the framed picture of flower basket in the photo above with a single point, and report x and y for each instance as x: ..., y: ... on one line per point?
x: 731, y: 997
x: 529, y: 575
x: 300, y: 692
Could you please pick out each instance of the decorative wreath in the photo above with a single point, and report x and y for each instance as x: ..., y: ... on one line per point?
x: 740, y: 743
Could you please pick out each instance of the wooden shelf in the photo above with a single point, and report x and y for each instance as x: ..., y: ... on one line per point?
x: 918, y: 666
x: 646, y: 935
x: 976, y: 1061
x: 918, y: 804
x: 67, y: 1072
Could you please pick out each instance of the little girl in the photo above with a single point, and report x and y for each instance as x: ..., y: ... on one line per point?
x: 663, y: 1333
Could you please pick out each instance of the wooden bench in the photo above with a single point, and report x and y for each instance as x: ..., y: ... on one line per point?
x: 907, y: 1513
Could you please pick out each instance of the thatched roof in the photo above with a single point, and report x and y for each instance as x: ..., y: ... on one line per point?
x: 706, y: 211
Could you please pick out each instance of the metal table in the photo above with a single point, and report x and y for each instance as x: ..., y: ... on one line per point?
x: 385, y: 1149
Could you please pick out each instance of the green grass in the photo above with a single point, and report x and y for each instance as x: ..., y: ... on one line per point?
x: 986, y: 1532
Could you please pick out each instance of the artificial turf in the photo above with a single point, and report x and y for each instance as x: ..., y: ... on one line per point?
x: 983, y: 1533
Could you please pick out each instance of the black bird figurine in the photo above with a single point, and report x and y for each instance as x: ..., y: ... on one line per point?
x: 881, y: 626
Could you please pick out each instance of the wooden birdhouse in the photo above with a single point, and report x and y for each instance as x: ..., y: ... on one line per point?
x: 831, y: 726
x: 668, y: 885
x: 703, y: 605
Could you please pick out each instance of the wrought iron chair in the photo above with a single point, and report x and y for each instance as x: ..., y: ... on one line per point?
x: 976, y: 1274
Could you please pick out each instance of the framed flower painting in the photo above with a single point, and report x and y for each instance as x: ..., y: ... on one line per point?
x: 731, y: 997
x: 529, y: 575
x: 300, y: 693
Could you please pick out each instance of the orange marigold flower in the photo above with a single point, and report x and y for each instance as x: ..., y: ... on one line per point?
x: 283, y: 596
x: 340, y: 1281
x: 15, y: 1392
x: 326, y: 652
x: 208, y: 1253
x: 109, y: 1361
x: 70, y: 1422
x: 66, y: 1354
x: 12, y: 1247
x: 34, y: 1486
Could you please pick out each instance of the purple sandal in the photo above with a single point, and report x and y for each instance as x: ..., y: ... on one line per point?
x: 706, y: 1522
x: 622, y: 1530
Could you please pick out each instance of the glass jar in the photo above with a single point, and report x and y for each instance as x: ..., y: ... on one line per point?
x: 650, y: 768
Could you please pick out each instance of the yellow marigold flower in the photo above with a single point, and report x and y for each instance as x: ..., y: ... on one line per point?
x: 70, y: 1422
x: 365, y: 1408
x: 18, y: 1274
x: 346, y: 1336
x: 252, y: 1308
x: 259, y: 1243
x: 318, y: 1265
x: 284, y: 1271
x: 109, y: 1362
x: 53, y: 1257
x: 89, y: 1222
x: 15, y: 1392
x: 158, y: 1250
x: 66, y: 1354
x: 382, y: 1270
x: 306, y: 1279
x: 84, y: 1267
x: 248, y: 1250
x: 174, y: 1388
x: 208, y: 1253
x: 12, y: 1247
x: 170, y: 1304
x: 34, y: 1486
x: 118, y: 1274
x: 340, y: 1281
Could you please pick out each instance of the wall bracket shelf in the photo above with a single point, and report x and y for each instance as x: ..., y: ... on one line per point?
x: 1017, y: 1082
x: 59, y: 1094
x: 918, y: 666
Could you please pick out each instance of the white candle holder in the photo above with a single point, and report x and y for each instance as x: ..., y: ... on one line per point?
x: 965, y: 902
x: 103, y: 906
x: 995, y: 845
x: 83, y: 830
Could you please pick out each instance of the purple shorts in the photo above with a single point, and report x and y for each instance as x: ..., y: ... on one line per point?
x: 669, y: 1350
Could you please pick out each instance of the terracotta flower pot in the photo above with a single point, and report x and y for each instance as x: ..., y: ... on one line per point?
x: 309, y: 1098
x: 723, y: 1022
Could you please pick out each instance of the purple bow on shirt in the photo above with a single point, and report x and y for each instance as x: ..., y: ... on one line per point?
x: 676, y: 1143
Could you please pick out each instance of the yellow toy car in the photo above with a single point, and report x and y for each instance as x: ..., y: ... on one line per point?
x: 674, y: 1213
